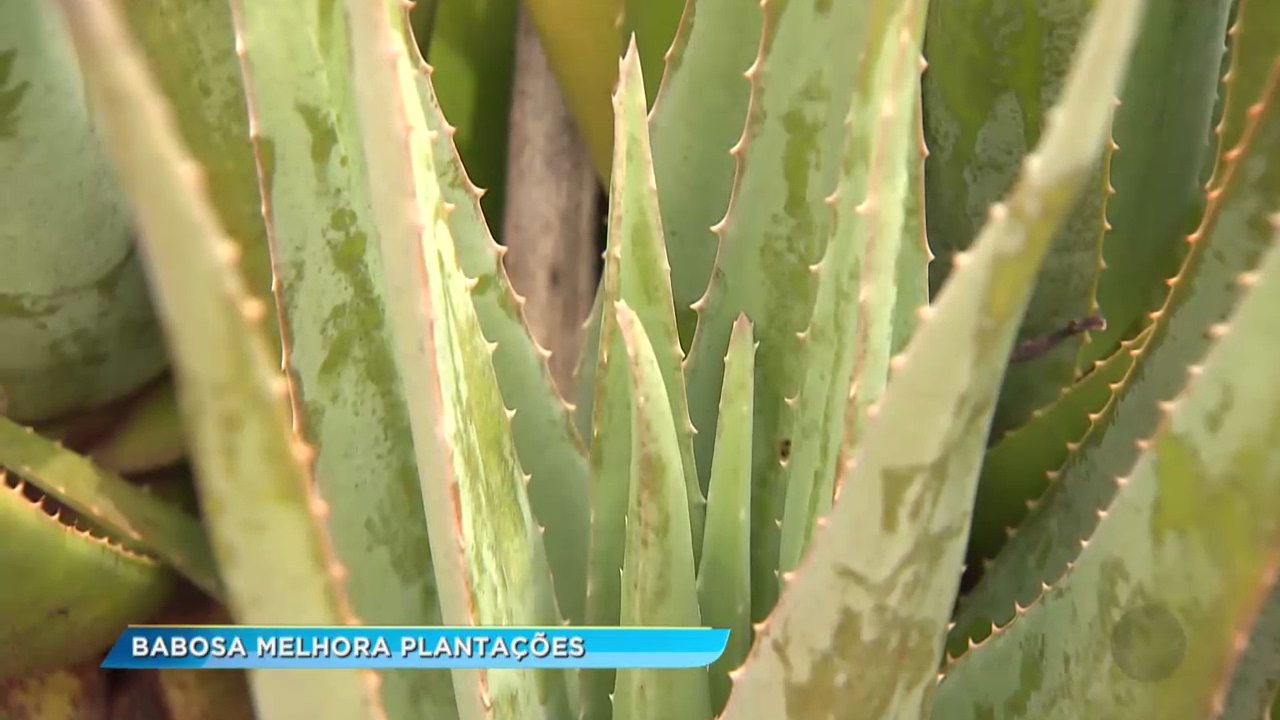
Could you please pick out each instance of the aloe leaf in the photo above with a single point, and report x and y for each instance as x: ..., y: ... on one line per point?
x: 582, y: 40
x: 1149, y: 619
x: 472, y: 45
x: 253, y: 483
x: 1160, y: 126
x: 1230, y: 241
x: 653, y: 23
x: 470, y: 475
x: 76, y: 324
x: 724, y: 576
x: 776, y: 227
x: 1017, y: 470
x: 78, y: 591
x: 149, y: 435
x: 636, y: 272
x: 995, y: 68
x: 849, y: 339
x: 584, y: 374
x: 548, y: 446
x: 658, y: 583
x: 202, y: 81
x: 1255, y: 31
x: 125, y: 512
x: 864, y: 630
x: 697, y: 119
x: 1256, y: 676
x: 914, y: 256
x: 345, y: 390
x: 205, y: 695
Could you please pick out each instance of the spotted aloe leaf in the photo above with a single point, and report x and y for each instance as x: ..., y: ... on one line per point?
x: 1149, y: 620
x: 1230, y: 241
x: 775, y: 229
x: 549, y: 447
x: 329, y: 269
x: 658, y: 583
x: 470, y: 475
x: 251, y: 472
x: 850, y: 336
x: 76, y: 324
x: 636, y: 272
x: 73, y: 693
x: 724, y: 575
x: 864, y: 631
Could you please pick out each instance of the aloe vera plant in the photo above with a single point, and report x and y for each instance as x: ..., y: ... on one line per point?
x: 948, y: 388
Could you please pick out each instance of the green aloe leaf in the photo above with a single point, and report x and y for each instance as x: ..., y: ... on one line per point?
x: 914, y: 256
x: 470, y: 475
x: 1254, y: 32
x: 1231, y: 240
x: 636, y: 272
x: 864, y: 630
x: 1256, y: 676
x: 78, y: 591
x: 724, y: 576
x: 76, y: 324
x: 658, y: 583
x: 547, y: 443
x: 120, y: 510
x: 69, y: 693
x: 850, y: 336
x: 254, y: 485
x: 1160, y: 126
x: 473, y: 46
x: 654, y: 24
x: 776, y: 228
x: 347, y: 396
x: 1146, y: 623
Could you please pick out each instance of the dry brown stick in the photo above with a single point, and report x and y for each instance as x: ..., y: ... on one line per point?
x: 551, y: 217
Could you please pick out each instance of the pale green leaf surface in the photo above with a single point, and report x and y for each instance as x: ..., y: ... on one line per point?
x: 1160, y: 126
x: 658, y: 583
x: 1231, y: 241
x: 201, y: 77
x: 724, y: 576
x: 698, y: 115
x: 636, y: 272
x: 850, y: 336
x: 995, y: 69
x: 776, y: 228
x: 1183, y: 547
x: 863, y: 631
x: 76, y: 324
x: 122, y: 510
x: 346, y: 391
x: 584, y: 375
x: 914, y: 256
x: 77, y: 592
x: 486, y: 548
x: 254, y: 490
x: 546, y: 441
x: 1256, y: 676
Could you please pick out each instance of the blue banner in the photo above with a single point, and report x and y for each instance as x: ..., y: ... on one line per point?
x: 237, y: 646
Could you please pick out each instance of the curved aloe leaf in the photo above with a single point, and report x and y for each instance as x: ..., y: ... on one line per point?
x: 724, y: 576
x: 1182, y: 551
x: 549, y: 448
x: 850, y: 336
x: 635, y: 272
x: 1256, y: 677
x: 470, y: 475
x: 111, y: 504
x: 345, y: 389
x: 253, y: 482
x: 776, y: 227
x: 76, y: 324
x: 149, y: 434
x: 77, y: 591
x: 658, y: 583
x: 863, y: 631
x: 74, y: 693
x: 653, y: 23
x: 1230, y: 241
